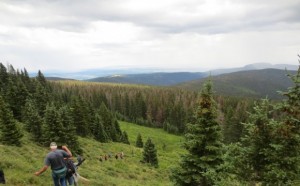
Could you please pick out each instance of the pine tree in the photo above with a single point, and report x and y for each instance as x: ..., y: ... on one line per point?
x: 272, y: 142
x: 108, y: 124
x: 32, y: 120
x: 124, y: 138
x: 258, y: 142
x: 41, y: 97
x: 80, y: 116
x: 41, y: 79
x: 118, y: 129
x: 69, y: 130
x: 286, y: 144
x: 99, y: 132
x: 53, y: 125
x: 203, y: 143
x: 3, y: 79
x: 140, y: 106
x: 139, y: 141
x: 150, y: 153
x: 10, y: 132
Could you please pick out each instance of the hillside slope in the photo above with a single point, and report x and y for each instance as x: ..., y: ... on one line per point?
x: 161, y: 79
x: 253, y: 83
x: 20, y: 163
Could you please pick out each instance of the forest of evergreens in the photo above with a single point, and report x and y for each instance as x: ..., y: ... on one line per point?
x: 227, y: 138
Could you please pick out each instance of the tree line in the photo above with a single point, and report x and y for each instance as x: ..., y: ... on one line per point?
x: 42, y: 107
x: 167, y: 108
x: 31, y: 105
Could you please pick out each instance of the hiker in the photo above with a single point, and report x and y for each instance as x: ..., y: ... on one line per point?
x: 55, y: 159
x: 2, y: 178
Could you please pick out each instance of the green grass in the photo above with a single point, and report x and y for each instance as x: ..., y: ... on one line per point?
x: 20, y: 163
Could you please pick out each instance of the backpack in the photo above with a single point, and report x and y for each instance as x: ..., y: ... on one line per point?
x: 71, y: 168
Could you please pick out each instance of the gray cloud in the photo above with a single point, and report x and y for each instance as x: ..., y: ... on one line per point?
x: 185, y: 16
x: 142, y: 32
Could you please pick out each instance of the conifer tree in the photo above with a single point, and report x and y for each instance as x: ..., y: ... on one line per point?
x: 140, y: 106
x: 203, y: 143
x: 108, y: 124
x: 117, y: 128
x: 41, y: 97
x: 99, y: 132
x: 10, y: 132
x: 53, y: 125
x: 69, y: 130
x: 80, y: 116
x: 3, y: 78
x: 19, y: 99
x: 32, y: 120
x: 41, y: 79
x: 286, y: 145
x: 139, y: 141
x: 272, y: 142
x: 150, y: 153
x: 124, y: 138
x: 258, y: 142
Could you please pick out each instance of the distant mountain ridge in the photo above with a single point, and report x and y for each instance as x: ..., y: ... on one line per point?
x: 254, y: 66
x: 255, y: 80
x: 159, y: 78
x: 172, y: 78
x: 93, y: 74
x: 252, y: 83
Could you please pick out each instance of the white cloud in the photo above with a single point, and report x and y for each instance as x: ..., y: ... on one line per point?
x: 173, y: 34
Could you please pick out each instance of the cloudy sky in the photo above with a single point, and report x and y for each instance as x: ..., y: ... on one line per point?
x: 174, y: 35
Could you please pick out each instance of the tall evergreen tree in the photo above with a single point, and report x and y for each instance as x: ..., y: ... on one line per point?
x: 124, y: 138
x: 139, y: 141
x: 32, y: 120
x: 80, y: 116
x: 150, y: 153
x: 69, y: 130
x: 108, y: 124
x: 286, y: 160
x: 272, y: 142
x: 3, y: 79
x: 258, y: 143
x: 177, y: 118
x: 203, y: 143
x: 99, y: 132
x: 10, y: 132
x: 53, y: 125
x: 117, y: 128
x: 41, y: 78
x: 41, y: 97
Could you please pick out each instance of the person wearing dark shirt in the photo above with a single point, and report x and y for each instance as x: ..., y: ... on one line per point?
x: 55, y: 159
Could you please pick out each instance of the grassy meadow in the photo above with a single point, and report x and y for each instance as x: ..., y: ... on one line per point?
x: 20, y: 163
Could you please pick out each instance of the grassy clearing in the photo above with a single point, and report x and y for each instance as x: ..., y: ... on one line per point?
x: 20, y: 163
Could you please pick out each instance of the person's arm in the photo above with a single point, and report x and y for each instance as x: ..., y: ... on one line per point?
x: 65, y: 148
x: 43, y: 169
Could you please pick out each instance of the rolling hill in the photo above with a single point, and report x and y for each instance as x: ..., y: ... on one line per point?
x: 172, y: 78
x: 160, y: 78
x: 252, y: 83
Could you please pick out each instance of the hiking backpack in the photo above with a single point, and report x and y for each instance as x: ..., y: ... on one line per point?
x: 71, y: 168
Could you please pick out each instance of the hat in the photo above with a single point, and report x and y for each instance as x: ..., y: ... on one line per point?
x: 53, y: 145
